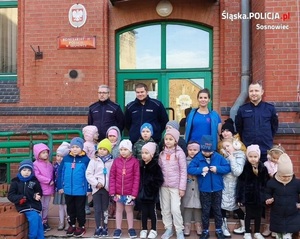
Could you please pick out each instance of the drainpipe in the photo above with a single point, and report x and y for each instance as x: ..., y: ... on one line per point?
x: 245, y: 74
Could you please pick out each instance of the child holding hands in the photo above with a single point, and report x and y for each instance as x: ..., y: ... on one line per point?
x: 25, y: 192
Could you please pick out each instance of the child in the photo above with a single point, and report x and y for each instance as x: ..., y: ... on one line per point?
x: 146, y: 132
x: 44, y: 172
x: 283, y: 194
x: 72, y: 182
x: 191, y: 200
x: 172, y: 161
x: 124, y: 186
x: 250, y: 190
x: 271, y: 164
x: 97, y: 175
x: 59, y: 199
x: 236, y: 158
x: 181, y: 142
x: 90, y: 134
x: 114, y: 136
x: 25, y: 192
x: 227, y: 132
x: 151, y: 180
x: 209, y: 167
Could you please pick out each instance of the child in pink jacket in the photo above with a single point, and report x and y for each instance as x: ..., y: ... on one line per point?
x: 44, y: 172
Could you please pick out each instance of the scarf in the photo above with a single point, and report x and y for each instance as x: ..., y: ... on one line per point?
x: 22, y: 179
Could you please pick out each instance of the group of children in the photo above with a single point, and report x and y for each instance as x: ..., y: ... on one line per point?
x: 189, y: 181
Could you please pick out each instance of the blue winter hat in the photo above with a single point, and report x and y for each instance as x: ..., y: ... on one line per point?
x: 77, y: 141
x: 206, y: 143
x: 27, y: 163
x: 146, y: 126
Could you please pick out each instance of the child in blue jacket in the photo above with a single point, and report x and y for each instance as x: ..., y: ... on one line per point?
x: 72, y: 182
x: 209, y: 167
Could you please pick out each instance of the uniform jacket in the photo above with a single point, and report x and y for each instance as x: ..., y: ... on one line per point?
x: 115, y: 148
x: 257, y: 124
x: 71, y: 174
x: 214, y: 126
x: 173, y: 167
x: 105, y: 114
x: 19, y: 189
x: 237, y: 162
x: 285, y: 216
x: 191, y: 198
x: 124, y: 177
x: 152, y: 112
x: 98, y: 172
x: 43, y: 170
x: 211, y: 182
x: 151, y: 180
x: 251, y: 188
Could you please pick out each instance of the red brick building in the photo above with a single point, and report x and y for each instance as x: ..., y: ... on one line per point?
x: 200, y: 43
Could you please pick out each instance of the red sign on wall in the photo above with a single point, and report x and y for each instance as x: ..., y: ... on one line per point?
x: 77, y: 42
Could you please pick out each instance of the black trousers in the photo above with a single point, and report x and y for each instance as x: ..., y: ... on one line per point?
x: 76, y: 209
x: 253, y: 211
x: 148, y: 211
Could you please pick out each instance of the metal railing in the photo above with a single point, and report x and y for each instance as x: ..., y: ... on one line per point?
x: 17, y: 146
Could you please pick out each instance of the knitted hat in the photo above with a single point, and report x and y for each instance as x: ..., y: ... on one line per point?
x: 27, y: 163
x: 174, y: 133
x: 206, y: 143
x: 105, y: 143
x: 89, y: 132
x: 112, y: 132
x: 126, y: 143
x: 63, y: 149
x: 146, y: 126
x: 151, y: 147
x: 174, y: 124
x: 193, y: 145
x: 285, y: 166
x: 77, y: 141
x: 228, y: 124
x: 253, y: 148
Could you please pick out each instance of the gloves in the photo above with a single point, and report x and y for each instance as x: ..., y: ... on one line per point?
x: 22, y: 200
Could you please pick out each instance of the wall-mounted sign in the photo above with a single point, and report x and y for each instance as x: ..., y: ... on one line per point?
x: 77, y: 42
x: 77, y: 15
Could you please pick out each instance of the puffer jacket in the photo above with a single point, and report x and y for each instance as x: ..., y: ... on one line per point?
x: 174, y: 169
x: 71, y: 174
x: 237, y: 162
x: 115, y: 148
x: 98, y: 172
x: 124, y: 176
x: 43, y: 169
x: 90, y: 144
x: 19, y: 189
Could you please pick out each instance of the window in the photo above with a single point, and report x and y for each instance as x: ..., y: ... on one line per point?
x: 8, y: 39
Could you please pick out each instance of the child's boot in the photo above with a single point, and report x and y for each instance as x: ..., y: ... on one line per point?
x: 187, y: 229
x: 241, y: 229
x: 225, y: 229
x: 198, y: 228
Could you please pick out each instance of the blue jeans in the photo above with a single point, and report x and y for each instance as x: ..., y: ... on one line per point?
x: 36, y: 230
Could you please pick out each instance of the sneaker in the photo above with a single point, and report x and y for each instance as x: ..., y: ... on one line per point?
x: 105, y: 232
x: 219, y: 234
x: 143, y: 234
x: 204, y: 235
x: 46, y: 227
x: 132, y: 233
x: 87, y: 210
x: 180, y: 235
x: 257, y: 235
x: 79, y: 232
x: 71, y: 230
x: 117, y: 233
x: 247, y: 236
x: 273, y: 234
x: 167, y: 234
x: 98, y: 232
x: 152, y: 234
x: 61, y: 226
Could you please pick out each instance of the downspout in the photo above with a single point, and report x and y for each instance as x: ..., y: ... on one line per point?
x: 245, y: 74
